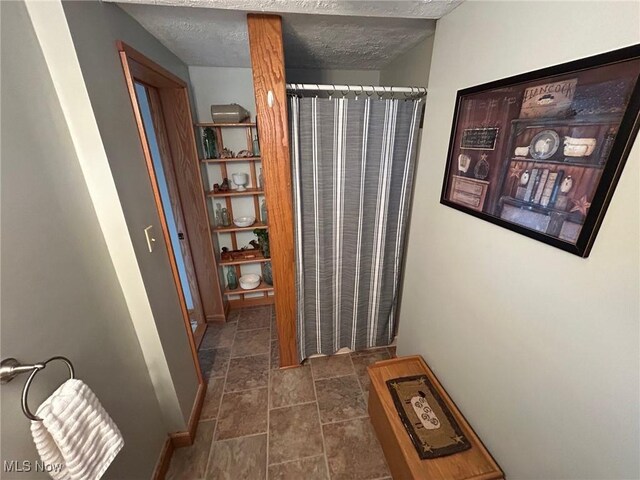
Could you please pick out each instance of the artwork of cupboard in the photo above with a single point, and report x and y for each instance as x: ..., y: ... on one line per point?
x: 540, y: 153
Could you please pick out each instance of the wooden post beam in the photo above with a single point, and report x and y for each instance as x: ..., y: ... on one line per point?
x: 269, y: 84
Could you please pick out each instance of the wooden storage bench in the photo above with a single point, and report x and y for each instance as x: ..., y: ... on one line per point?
x: 475, y: 463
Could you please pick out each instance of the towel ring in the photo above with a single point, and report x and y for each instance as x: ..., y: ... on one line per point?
x: 27, y: 384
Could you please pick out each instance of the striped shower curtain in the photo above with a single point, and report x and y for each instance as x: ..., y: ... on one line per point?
x: 352, y: 164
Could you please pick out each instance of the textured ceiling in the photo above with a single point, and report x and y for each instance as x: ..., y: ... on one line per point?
x: 433, y: 9
x: 342, y: 42
x: 198, y: 36
x: 218, y: 37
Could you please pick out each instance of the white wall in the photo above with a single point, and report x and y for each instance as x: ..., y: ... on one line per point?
x: 60, y: 292
x: 539, y: 348
x: 222, y: 85
x: 411, y: 69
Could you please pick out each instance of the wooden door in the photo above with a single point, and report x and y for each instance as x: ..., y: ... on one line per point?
x: 196, y: 313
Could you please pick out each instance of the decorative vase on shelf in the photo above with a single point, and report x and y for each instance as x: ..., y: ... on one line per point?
x: 267, y: 274
x: 224, y: 216
x: 263, y: 211
x: 209, y: 143
x: 219, y: 215
x: 232, y: 279
x: 256, y: 146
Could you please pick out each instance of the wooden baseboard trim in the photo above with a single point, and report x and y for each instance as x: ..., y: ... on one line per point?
x: 221, y: 318
x: 164, y: 460
x: 184, y: 439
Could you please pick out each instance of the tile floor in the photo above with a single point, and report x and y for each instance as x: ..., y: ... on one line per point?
x: 259, y: 422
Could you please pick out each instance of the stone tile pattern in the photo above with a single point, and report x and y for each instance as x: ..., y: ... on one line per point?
x: 261, y: 422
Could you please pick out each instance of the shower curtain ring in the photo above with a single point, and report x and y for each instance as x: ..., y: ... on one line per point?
x: 371, y: 92
x: 380, y: 95
x: 359, y: 93
x: 317, y: 90
x: 344, y: 94
x: 333, y: 91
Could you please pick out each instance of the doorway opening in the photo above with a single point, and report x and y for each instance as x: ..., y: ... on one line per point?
x: 172, y: 212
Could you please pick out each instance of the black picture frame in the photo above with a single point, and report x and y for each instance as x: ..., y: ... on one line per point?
x: 618, y: 154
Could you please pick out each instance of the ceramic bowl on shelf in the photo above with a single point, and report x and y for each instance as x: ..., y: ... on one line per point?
x: 244, y: 221
x: 241, y: 180
x: 249, y: 281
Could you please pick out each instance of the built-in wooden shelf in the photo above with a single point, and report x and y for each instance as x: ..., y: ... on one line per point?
x: 233, y: 228
x: 236, y: 193
x: 244, y: 261
x: 263, y: 287
x: 264, y: 294
x: 227, y: 125
x: 233, y: 159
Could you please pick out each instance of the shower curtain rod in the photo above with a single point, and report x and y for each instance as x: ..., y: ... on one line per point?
x: 358, y: 89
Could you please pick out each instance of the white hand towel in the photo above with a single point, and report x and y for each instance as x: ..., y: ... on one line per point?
x: 76, y: 436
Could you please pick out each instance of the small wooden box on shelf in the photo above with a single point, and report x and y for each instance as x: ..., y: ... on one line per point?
x: 238, y: 297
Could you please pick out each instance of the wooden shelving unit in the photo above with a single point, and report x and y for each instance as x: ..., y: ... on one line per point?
x: 245, y: 262
x: 228, y: 160
x: 238, y: 298
x: 233, y: 228
x: 227, y: 125
x: 235, y: 193
x: 263, y: 287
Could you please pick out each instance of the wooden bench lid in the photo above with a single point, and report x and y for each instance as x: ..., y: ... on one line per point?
x: 475, y: 463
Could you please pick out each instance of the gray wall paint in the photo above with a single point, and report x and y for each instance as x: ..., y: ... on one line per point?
x: 411, y: 69
x: 60, y: 293
x: 539, y: 348
x: 95, y: 27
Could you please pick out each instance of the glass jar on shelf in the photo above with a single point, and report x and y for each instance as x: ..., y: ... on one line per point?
x: 209, y: 143
x: 232, y: 279
x: 218, y: 217
x: 267, y: 274
x: 263, y: 211
x: 224, y: 216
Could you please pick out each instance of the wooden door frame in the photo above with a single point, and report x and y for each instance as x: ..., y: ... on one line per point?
x: 269, y: 84
x: 138, y: 68
x: 176, y: 112
x: 174, y: 99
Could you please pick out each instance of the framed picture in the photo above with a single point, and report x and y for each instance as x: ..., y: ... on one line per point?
x: 541, y: 153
